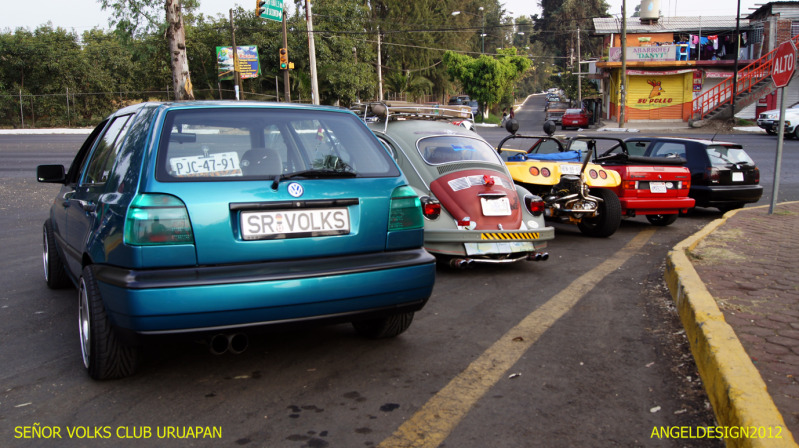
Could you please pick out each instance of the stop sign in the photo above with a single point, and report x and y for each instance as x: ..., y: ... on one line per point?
x: 784, y: 64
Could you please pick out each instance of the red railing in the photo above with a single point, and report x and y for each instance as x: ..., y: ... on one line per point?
x: 748, y: 77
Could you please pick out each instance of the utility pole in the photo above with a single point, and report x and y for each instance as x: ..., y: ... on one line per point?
x: 737, y: 53
x: 379, y: 68
x: 623, y: 95
x: 236, y: 74
x: 579, y: 72
x: 312, y: 53
x: 286, y: 80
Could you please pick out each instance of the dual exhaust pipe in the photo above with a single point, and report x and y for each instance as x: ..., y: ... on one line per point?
x: 235, y: 343
x: 463, y: 263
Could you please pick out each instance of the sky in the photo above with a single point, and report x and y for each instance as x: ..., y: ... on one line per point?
x: 82, y: 15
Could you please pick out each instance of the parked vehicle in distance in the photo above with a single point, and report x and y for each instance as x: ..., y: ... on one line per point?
x: 574, y: 190
x: 656, y: 187
x: 555, y: 110
x: 770, y: 121
x: 722, y: 173
x: 473, y: 211
x: 212, y: 217
x: 574, y: 118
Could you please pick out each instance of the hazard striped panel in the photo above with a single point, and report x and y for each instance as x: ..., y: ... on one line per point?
x: 510, y: 236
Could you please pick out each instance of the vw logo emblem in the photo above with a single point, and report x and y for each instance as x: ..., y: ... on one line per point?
x: 295, y: 189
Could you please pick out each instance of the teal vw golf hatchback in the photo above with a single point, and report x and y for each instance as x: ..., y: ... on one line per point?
x: 214, y: 217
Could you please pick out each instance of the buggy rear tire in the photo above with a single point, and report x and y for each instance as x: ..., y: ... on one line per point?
x: 608, y: 216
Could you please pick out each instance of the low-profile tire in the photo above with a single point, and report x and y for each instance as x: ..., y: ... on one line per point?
x: 384, y: 327
x: 662, y: 220
x: 55, y: 273
x: 104, y: 355
x: 608, y: 216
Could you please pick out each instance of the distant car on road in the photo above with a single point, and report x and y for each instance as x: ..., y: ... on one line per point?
x: 473, y: 211
x: 211, y: 217
x: 770, y: 121
x: 722, y: 173
x: 574, y: 118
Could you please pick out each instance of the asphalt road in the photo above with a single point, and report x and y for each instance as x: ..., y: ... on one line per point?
x: 582, y: 350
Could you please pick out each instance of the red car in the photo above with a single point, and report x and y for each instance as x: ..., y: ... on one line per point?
x: 656, y: 187
x: 575, y: 118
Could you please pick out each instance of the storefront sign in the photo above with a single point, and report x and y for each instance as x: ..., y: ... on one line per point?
x: 663, y: 53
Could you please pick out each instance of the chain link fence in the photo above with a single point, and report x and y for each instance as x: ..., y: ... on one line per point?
x: 86, y: 109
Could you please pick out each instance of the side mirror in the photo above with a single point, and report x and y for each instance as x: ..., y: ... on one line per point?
x: 53, y: 174
x: 512, y: 125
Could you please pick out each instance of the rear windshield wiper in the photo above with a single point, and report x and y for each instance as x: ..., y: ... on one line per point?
x: 313, y: 174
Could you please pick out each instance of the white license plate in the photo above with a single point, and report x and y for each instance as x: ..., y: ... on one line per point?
x: 657, y: 187
x: 495, y: 207
x: 570, y: 169
x: 738, y: 176
x: 219, y: 164
x: 258, y: 225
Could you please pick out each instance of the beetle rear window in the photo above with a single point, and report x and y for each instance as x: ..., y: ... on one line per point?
x: 446, y: 149
x: 247, y: 143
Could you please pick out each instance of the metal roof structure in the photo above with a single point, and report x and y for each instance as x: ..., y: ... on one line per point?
x: 668, y: 24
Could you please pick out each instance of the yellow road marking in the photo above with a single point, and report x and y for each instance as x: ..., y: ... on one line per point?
x: 431, y: 425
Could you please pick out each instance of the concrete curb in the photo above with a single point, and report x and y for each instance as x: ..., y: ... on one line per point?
x: 733, y: 384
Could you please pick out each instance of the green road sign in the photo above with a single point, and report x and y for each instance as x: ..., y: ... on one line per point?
x: 272, y: 10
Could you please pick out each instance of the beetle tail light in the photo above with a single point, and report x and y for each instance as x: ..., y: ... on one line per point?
x: 157, y: 219
x: 431, y: 208
x: 535, y: 205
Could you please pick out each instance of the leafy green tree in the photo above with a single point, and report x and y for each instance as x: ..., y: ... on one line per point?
x: 487, y: 79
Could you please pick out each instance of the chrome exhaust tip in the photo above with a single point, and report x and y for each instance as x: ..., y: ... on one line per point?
x: 238, y: 343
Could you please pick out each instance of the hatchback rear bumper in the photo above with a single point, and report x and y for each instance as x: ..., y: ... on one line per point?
x: 210, y: 298
x: 721, y: 195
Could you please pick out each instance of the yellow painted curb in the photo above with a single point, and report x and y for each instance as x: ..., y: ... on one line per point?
x: 733, y: 384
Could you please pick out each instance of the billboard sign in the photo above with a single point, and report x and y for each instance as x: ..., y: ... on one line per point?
x: 248, y: 62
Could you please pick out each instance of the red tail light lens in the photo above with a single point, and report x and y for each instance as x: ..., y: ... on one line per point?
x: 545, y: 172
x: 756, y: 175
x: 535, y: 205
x: 431, y: 208
x: 593, y: 174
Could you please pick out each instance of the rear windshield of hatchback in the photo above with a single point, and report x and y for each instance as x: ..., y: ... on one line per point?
x: 248, y: 143
x: 721, y: 156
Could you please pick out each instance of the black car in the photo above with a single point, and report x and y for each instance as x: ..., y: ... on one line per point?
x: 722, y: 173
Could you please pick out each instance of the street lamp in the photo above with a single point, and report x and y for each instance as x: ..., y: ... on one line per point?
x: 482, y: 27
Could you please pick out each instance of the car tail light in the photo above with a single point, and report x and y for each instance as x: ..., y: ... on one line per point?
x: 431, y: 208
x: 534, y: 171
x: 405, y: 210
x: 156, y: 219
x: 712, y: 174
x: 535, y: 205
x: 756, y: 175
x: 629, y: 185
x: 603, y: 174
x: 593, y: 174
x: 545, y: 172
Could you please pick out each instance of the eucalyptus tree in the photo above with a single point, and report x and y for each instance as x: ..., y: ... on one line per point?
x: 133, y: 16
